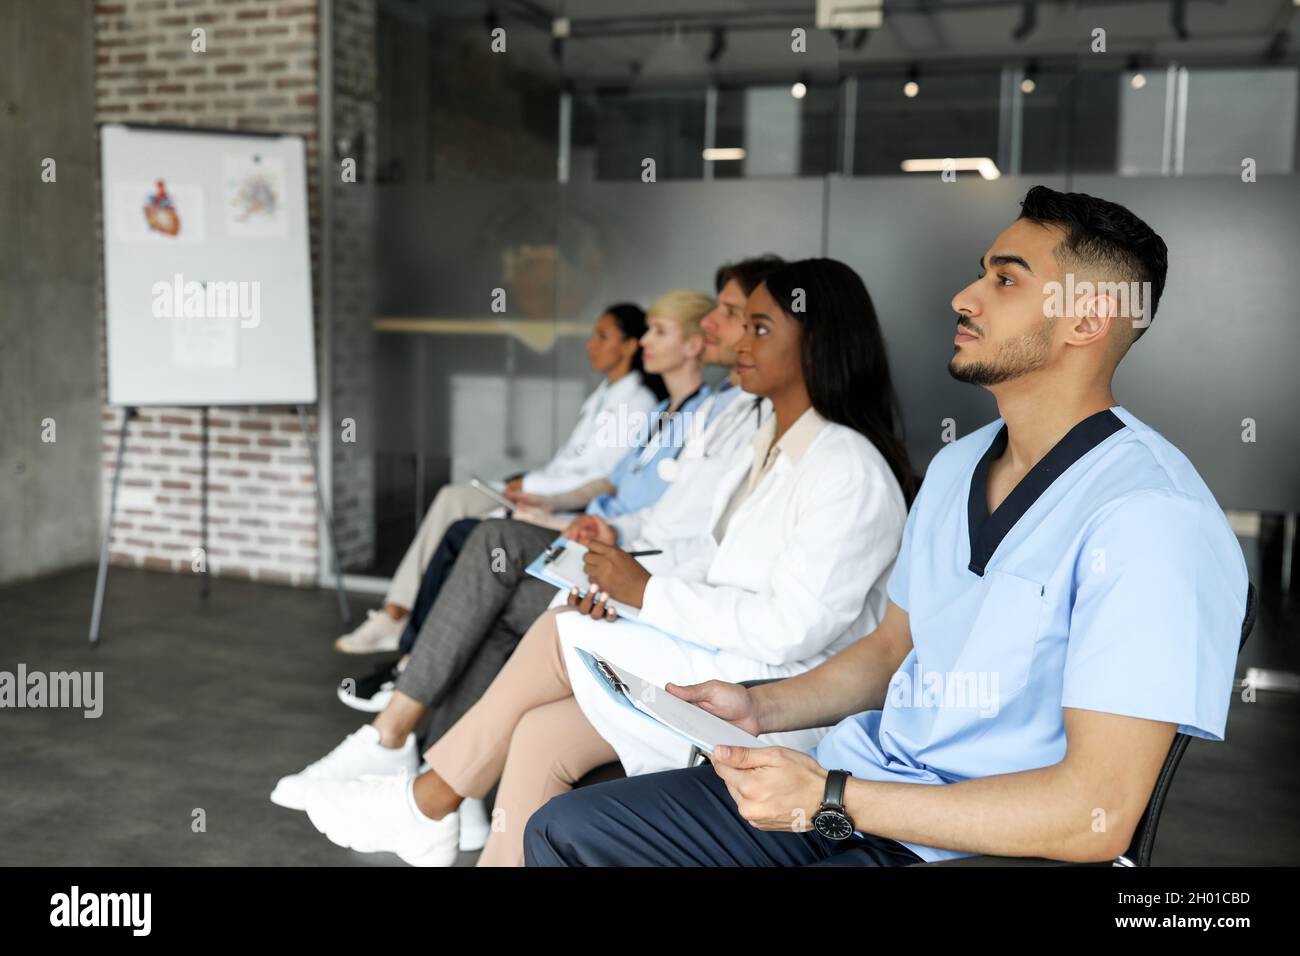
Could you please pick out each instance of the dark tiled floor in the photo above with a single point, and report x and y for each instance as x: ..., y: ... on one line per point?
x: 206, y: 705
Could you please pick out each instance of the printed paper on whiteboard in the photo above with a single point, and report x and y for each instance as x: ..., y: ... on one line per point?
x: 253, y: 188
x: 204, y: 341
x: 160, y: 212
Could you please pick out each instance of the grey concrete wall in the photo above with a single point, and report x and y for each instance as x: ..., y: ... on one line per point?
x: 49, y: 368
x: 352, y: 282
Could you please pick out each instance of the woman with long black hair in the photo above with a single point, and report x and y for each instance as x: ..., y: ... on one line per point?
x: 805, y: 526
x: 626, y: 325
x: 844, y: 362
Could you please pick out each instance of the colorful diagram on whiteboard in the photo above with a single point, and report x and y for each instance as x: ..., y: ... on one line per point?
x: 161, y: 214
x: 254, y: 196
x: 158, y: 212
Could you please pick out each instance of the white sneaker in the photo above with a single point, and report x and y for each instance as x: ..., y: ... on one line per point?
x: 373, y: 704
x: 359, y: 754
x: 378, y: 632
x: 371, y: 693
x: 378, y: 815
x: 474, y: 825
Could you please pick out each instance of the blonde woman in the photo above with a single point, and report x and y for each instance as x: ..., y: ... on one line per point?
x: 672, y: 347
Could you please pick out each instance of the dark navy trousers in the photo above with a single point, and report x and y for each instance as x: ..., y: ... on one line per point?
x: 435, y: 575
x: 681, y: 818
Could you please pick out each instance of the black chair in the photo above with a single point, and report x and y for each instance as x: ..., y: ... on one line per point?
x: 607, y: 771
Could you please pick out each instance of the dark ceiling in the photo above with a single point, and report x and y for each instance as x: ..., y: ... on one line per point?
x: 613, y: 40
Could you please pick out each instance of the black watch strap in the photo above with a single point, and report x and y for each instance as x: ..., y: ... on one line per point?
x: 835, y: 783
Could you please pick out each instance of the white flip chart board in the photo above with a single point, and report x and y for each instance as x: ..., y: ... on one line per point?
x: 207, y: 268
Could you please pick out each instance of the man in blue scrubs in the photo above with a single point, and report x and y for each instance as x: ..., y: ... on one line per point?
x: 1067, y: 595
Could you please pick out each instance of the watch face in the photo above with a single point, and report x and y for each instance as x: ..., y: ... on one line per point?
x: 833, y: 825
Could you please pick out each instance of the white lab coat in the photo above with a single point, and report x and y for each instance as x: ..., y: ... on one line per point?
x: 678, y: 522
x: 799, y: 575
x: 583, y: 458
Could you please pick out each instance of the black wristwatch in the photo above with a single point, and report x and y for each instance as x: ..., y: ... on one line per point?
x: 831, y: 820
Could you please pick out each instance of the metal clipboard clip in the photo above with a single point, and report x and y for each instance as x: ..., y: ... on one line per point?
x: 608, y: 673
x: 552, y: 554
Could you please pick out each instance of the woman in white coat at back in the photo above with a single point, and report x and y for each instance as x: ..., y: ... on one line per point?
x: 622, y: 400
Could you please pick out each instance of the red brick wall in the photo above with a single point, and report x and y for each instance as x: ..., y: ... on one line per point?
x: 260, y: 71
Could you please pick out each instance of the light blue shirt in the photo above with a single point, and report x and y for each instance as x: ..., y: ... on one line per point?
x: 637, y: 479
x: 723, y: 396
x: 1108, y: 580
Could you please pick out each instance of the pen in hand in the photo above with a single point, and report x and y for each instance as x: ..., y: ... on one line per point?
x: 643, y: 554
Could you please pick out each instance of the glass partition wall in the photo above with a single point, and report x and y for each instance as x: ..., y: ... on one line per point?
x: 521, y: 191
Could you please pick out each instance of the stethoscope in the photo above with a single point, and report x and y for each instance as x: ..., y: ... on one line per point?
x: 655, y: 438
x: 724, y: 440
x: 720, y: 442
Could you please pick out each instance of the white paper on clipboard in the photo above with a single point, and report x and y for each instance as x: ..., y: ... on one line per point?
x: 687, y: 720
x: 486, y: 489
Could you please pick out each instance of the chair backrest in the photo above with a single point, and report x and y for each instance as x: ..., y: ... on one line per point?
x: 1144, y: 837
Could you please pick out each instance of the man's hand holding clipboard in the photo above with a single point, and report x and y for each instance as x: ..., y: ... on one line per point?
x: 773, y: 787
x: 734, y: 703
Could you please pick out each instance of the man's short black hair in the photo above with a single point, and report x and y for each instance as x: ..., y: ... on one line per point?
x: 748, y: 273
x: 1103, y: 235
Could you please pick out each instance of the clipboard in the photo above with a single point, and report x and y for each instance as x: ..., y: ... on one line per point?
x: 482, y: 487
x: 652, y: 702
x: 561, y: 565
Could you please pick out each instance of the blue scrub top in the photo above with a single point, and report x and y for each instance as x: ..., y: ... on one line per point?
x: 1108, y: 580
x: 636, y: 478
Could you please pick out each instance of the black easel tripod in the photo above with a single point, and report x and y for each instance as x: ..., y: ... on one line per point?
x: 101, y: 580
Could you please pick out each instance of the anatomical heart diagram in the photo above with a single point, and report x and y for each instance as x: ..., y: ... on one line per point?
x: 161, y: 214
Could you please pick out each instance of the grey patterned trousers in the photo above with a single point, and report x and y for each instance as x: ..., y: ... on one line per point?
x: 483, y: 609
